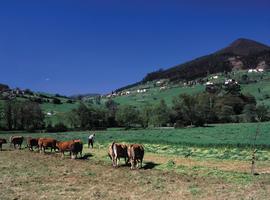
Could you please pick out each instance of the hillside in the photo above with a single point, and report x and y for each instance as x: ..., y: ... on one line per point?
x: 54, y: 106
x: 258, y: 85
x: 244, y: 47
x: 240, y: 54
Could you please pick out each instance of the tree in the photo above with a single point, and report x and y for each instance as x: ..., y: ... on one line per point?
x: 188, y: 108
x: 245, y: 78
x: 205, y: 107
x: 232, y: 87
x: 145, y: 115
x: 59, y: 127
x: 8, y: 115
x: 225, y: 114
x: 84, y: 116
x: 3, y: 87
x: 73, y: 119
x: 87, y: 117
x: 127, y: 115
x: 160, y: 114
x: 56, y: 101
x: 249, y: 112
x: 98, y: 99
x: 263, y: 113
x: 111, y: 107
x: 33, y: 117
x: 23, y: 115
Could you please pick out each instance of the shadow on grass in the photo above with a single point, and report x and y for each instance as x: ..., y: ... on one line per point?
x: 150, y: 165
x: 86, y: 156
x: 208, y: 126
x: 6, y: 150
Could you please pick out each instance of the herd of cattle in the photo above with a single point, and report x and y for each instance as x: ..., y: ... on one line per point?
x: 132, y: 153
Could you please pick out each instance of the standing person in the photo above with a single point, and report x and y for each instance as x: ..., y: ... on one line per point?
x: 91, y: 140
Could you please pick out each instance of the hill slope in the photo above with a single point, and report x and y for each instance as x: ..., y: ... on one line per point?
x: 241, y: 54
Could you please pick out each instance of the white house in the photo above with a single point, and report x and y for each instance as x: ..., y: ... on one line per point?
x: 209, y: 83
x: 252, y: 70
x: 163, y: 88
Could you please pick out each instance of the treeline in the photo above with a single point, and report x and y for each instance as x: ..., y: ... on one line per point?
x: 194, y: 110
x: 216, y: 104
x: 21, y: 115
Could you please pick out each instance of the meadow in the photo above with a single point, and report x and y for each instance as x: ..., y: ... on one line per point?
x: 219, y: 141
x: 189, y: 163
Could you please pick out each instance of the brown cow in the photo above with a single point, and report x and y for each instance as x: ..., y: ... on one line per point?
x: 32, y: 142
x: 44, y: 143
x: 117, y: 151
x: 64, y: 146
x: 135, y: 155
x: 16, y: 140
x: 2, y: 141
x: 76, y: 147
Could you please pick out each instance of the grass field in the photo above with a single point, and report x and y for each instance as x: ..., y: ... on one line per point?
x: 220, y: 141
x: 191, y: 163
x: 31, y: 175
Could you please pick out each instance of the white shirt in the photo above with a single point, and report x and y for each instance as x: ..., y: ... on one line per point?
x: 91, y: 137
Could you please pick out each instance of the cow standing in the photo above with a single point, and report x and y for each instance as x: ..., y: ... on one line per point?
x: 32, y: 142
x: 44, y: 143
x: 135, y: 154
x: 76, y: 148
x: 117, y: 151
x: 16, y: 141
x: 2, y: 141
x: 64, y: 146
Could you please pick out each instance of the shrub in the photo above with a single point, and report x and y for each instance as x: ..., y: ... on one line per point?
x: 59, y: 127
x: 56, y: 101
x: 69, y: 101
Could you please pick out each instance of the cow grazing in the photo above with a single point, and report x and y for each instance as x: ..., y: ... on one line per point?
x: 44, y: 143
x: 2, y: 141
x: 117, y: 151
x: 76, y: 148
x: 32, y: 142
x: 16, y: 141
x: 135, y: 154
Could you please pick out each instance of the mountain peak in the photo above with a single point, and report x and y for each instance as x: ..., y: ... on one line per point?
x: 244, y: 47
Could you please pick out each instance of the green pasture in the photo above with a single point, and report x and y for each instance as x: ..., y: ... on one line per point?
x: 221, y: 141
x: 154, y: 95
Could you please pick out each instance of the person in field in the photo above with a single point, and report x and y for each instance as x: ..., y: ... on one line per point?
x: 91, y: 139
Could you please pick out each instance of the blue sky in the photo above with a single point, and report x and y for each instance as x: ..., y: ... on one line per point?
x: 81, y: 46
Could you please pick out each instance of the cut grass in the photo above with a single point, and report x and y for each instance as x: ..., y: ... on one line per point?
x: 30, y: 175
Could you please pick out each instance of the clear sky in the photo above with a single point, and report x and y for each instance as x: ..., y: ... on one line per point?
x: 85, y: 46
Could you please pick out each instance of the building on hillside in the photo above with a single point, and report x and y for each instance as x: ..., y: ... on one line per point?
x: 209, y: 83
x: 163, y: 88
x: 252, y: 70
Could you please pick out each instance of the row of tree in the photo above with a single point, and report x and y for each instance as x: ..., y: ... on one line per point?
x: 197, y: 110
x: 21, y: 115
